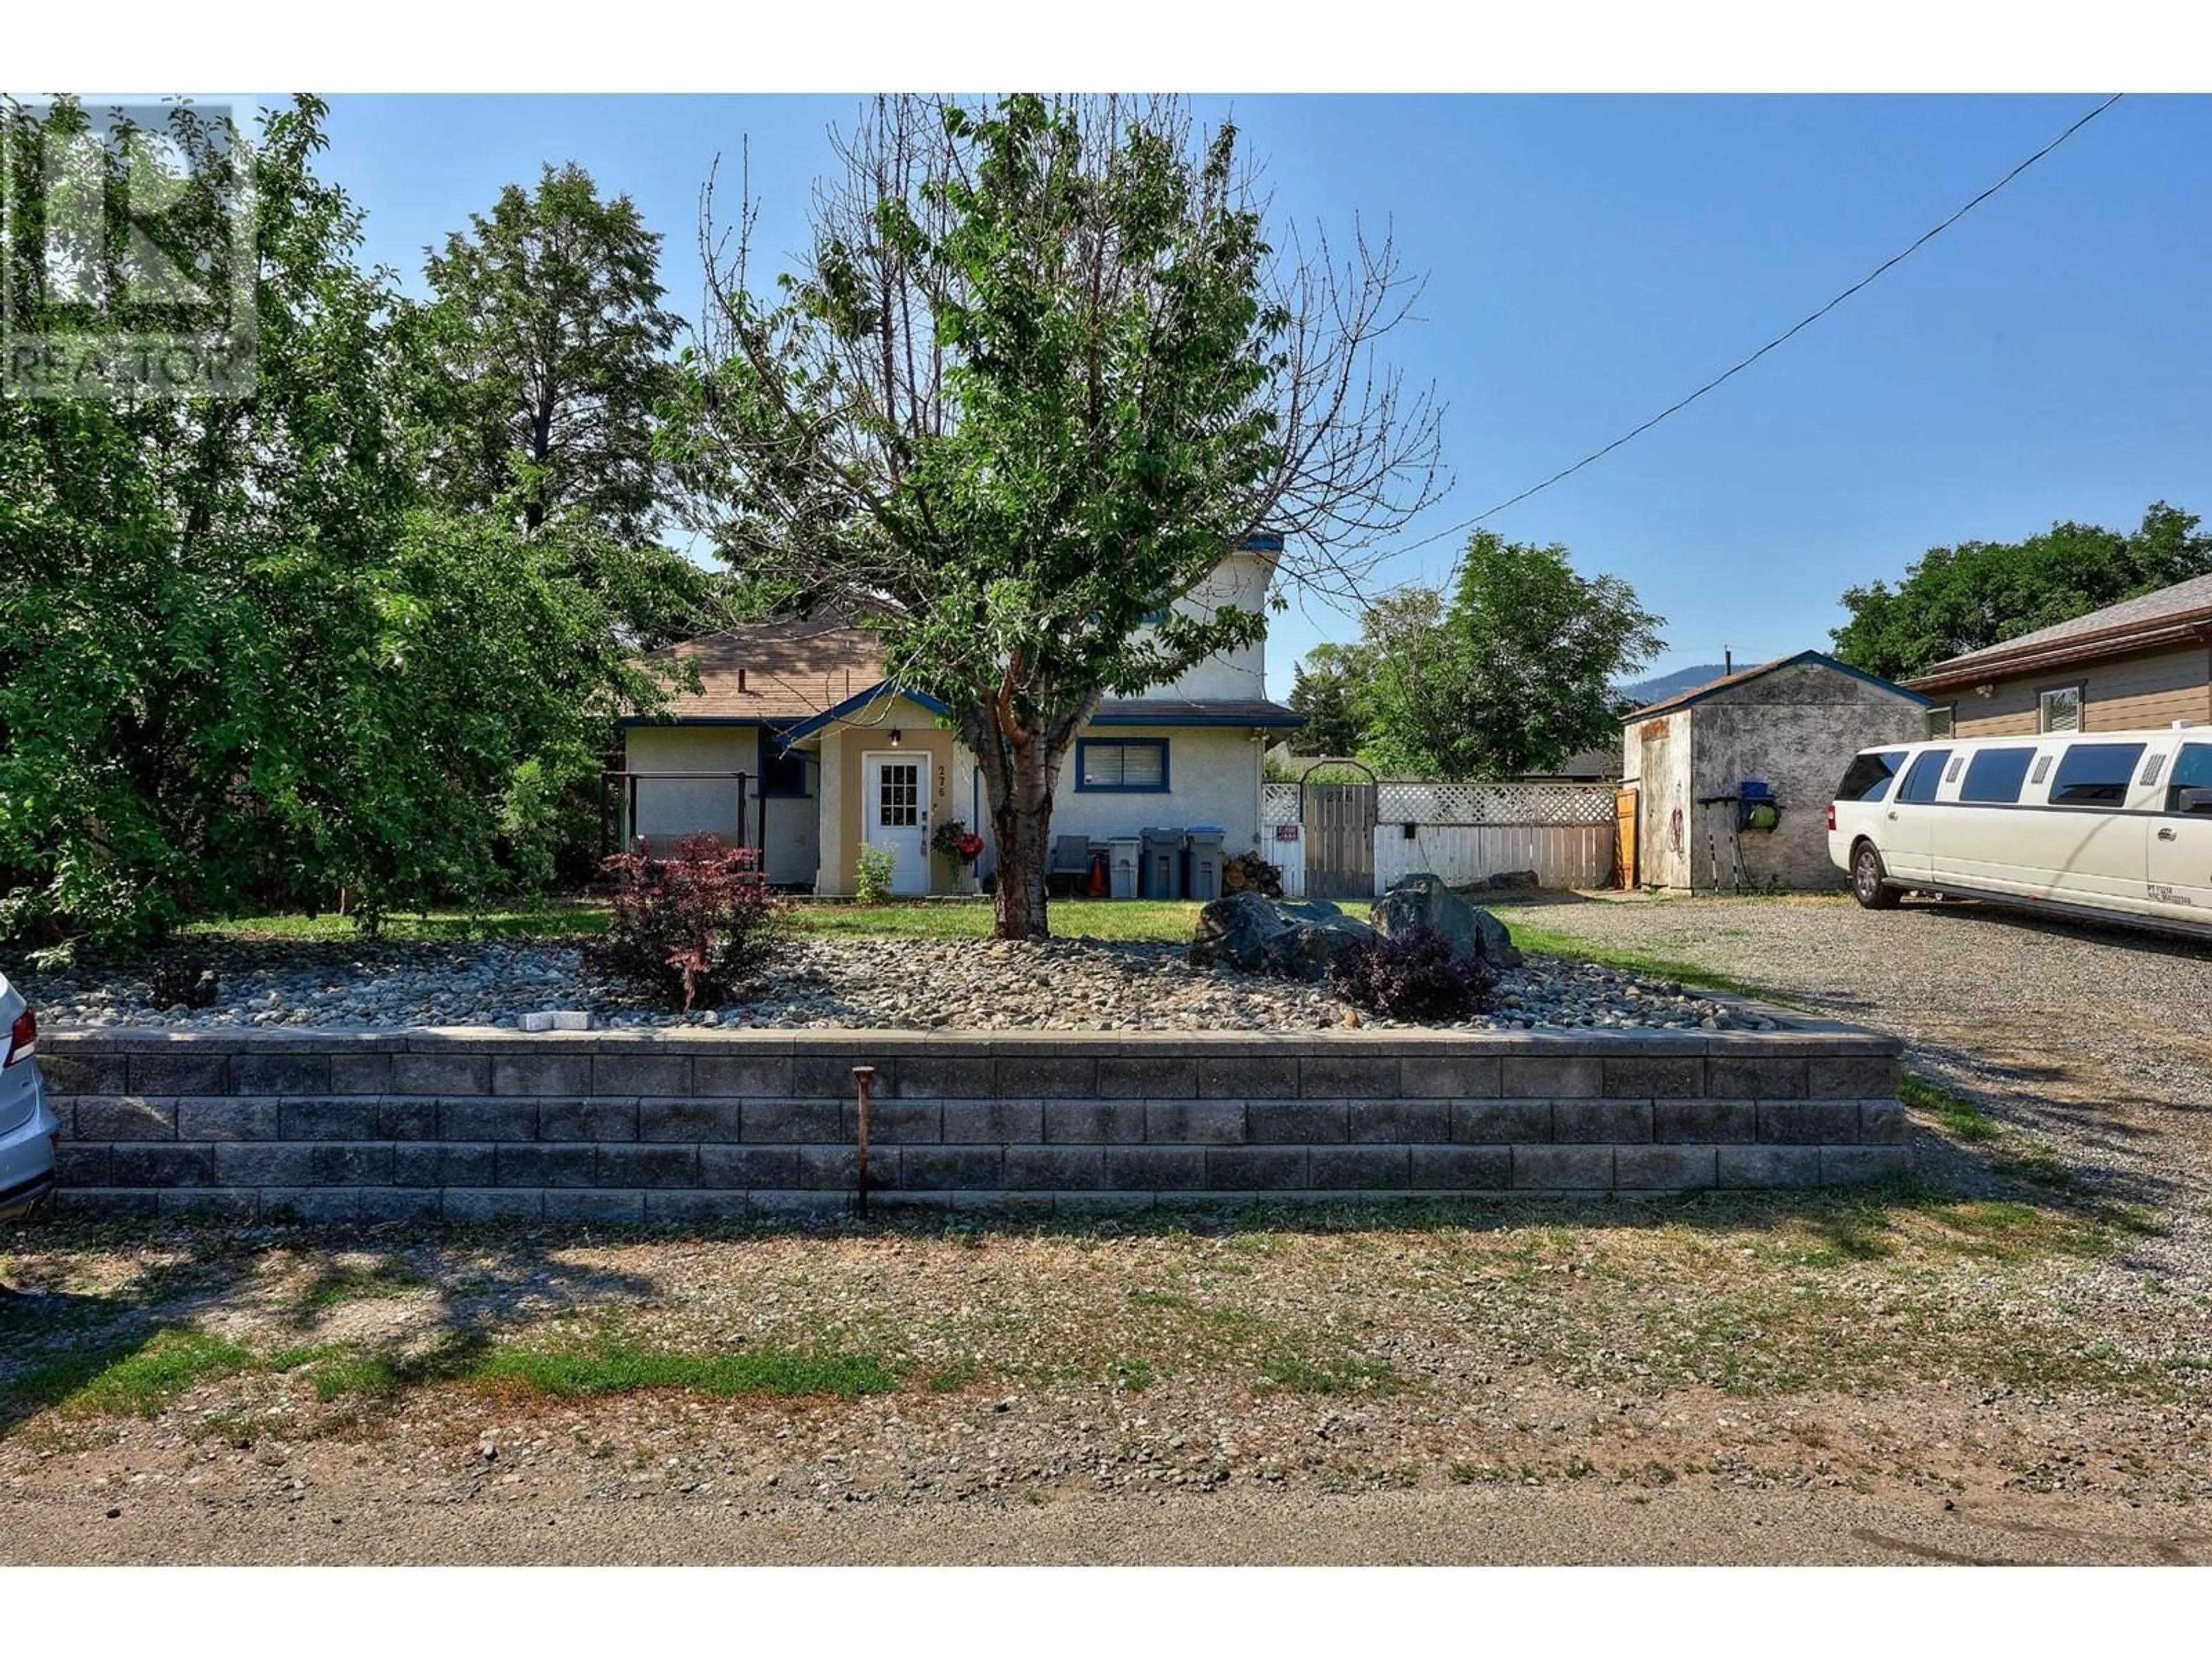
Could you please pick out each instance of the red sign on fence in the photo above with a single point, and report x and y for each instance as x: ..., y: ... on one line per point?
x: 1286, y: 832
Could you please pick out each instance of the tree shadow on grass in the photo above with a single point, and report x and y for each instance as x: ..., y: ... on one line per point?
x: 206, y: 1309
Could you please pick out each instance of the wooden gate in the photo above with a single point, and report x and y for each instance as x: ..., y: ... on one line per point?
x: 1340, y: 835
x: 1623, y: 839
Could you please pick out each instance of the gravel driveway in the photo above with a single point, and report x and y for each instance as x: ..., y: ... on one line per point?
x: 2097, y: 1042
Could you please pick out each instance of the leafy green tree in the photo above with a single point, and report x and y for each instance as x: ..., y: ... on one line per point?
x: 1513, y: 675
x: 1041, y: 370
x: 1957, y: 599
x: 1325, y: 688
x: 241, y: 662
x: 540, y: 361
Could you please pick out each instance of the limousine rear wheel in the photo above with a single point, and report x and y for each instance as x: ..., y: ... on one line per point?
x: 1867, y: 885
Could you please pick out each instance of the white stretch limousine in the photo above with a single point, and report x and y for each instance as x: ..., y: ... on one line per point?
x: 2105, y: 825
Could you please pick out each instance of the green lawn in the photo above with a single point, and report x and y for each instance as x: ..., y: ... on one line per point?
x: 1531, y: 935
x: 1141, y: 919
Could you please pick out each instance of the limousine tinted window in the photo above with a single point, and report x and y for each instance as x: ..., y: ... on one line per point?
x: 1927, y: 772
x: 2094, y: 774
x: 2192, y: 770
x: 1996, y: 775
x: 1869, y: 775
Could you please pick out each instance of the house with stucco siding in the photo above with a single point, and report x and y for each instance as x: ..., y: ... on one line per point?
x: 798, y: 743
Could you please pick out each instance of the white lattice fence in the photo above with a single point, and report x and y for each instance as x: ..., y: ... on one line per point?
x: 1494, y: 803
x: 1281, y: 802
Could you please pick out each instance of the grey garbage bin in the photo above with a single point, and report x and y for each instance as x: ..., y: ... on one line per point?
x: 1124, y: 854
x: 1162, y: 877
x: 1205, y: 840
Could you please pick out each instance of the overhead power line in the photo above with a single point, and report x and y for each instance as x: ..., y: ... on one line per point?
x: 1794, y: 328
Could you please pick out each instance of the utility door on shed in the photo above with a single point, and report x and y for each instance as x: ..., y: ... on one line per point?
x: 1623, y: 839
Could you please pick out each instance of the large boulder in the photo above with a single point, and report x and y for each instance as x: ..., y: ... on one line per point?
x: 1268, y: 936
x: 1424, y: 900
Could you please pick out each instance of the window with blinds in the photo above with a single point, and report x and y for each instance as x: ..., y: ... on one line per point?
x: 1132, y: 766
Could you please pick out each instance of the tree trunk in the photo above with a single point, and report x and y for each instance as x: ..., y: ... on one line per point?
x: 1020, y: 767
x: 1023, y: 817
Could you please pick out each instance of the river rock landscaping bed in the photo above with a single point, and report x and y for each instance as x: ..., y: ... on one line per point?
x: 824, y: 982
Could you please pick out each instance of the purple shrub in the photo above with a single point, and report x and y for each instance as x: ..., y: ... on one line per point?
x: 689, y: 929
x: 1413, y: 976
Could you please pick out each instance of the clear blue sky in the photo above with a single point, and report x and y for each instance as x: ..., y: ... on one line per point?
x: 1591, y: 260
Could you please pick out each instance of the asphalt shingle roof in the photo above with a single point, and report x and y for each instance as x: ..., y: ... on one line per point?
x: 2163, y: 604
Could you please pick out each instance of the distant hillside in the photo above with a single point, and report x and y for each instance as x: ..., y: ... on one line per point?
x: 1665, y: 685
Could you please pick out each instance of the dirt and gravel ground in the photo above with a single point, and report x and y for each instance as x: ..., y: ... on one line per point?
x: 2011, y: 1359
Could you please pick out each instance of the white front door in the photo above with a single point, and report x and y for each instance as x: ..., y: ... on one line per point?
x: 895, y: 814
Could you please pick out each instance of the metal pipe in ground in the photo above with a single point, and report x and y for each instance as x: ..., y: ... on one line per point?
x: 863, y: 1076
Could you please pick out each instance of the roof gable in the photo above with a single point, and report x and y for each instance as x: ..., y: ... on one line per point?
x: 1726, y: 682
x: 772, y: 673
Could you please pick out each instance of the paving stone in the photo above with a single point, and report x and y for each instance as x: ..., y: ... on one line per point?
x: 438, y: 1074
x: 488, y: 1119
x: 1448, y: 1077
x: 1704, y: 1122
x: 1055, y: 1168
x: 1843, y: 1166
x: 137, y: 1165
x: 1094, y: 1122
x: 1194, y: 1122
x: 1562, y: 1169
x: 645, y: 1166
x: 1131, y: 1077
x: 1460, y: 1168
x: 1655, y: 1077
x: 1359, y: 1168
x: 1551, y: 1077
x: 723, y: 1076
x: 1769, y: 1166
x: 1256, y: 1168
x: 1245, y: 1078
x: 975, y: 1122
x: 1401, y: 1122
x: 640, y: 1074
x: 529, y: 1163
x: 1608, y: 1121
x: 1500, y: 1122
x: 1302, y: 1122
x: 357, y: 1164
x: 748, y: 1166
x: 1751, y: 1078
x: 1665, y: 1169
x: 1808, y: 1122
x: 542, y: 1074
x: 123, y: 1118
x: 692, y: 1120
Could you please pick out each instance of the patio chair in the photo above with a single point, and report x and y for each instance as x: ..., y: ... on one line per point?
x: 1070, y: 864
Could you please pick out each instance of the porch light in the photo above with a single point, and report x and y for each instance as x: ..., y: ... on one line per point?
x: 895, y: 737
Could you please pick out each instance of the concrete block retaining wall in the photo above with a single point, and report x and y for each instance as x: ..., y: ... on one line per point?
x: 672, y: 1126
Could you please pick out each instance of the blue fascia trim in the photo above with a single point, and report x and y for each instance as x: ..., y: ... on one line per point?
x: 881, y: 691
x: 1163, y: 787
x: 1263, y: 542
x: 1283, y: 720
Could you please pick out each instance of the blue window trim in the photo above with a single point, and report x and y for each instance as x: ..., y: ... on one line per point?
x: 1081, y: 748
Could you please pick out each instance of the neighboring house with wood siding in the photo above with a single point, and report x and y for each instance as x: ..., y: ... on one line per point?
x: 2141, y: 665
